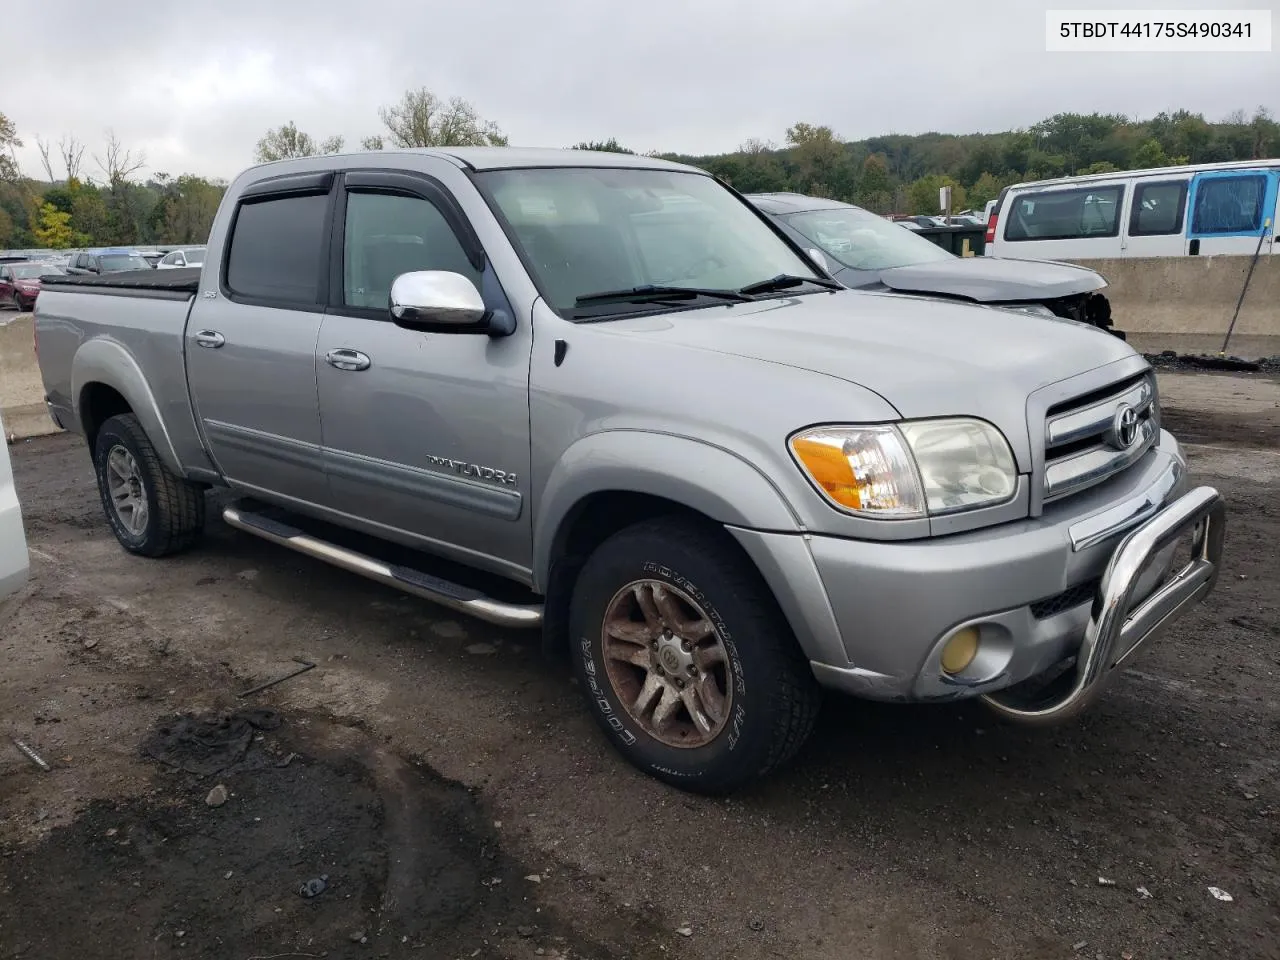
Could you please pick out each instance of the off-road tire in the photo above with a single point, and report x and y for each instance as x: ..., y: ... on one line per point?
x: 175, y: 507
x: 775, y: 697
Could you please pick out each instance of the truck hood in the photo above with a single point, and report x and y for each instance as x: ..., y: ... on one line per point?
x: 993, y: 280
x: 925, y: 358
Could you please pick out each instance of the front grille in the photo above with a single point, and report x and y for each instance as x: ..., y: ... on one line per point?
x: 1071, y: 597
x: 1093, y: 437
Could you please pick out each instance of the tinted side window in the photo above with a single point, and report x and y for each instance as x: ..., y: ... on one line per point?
x: 389, y: 234
x: 1229, y: 204
x: 1158, y: 208
x: 276, y: 246
x: 1066, y: 214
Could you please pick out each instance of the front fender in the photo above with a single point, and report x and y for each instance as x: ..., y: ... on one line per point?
x: 109, y: 363
x: 714, y: 481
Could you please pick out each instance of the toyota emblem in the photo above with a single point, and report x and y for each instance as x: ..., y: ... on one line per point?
x: 1124, y: 428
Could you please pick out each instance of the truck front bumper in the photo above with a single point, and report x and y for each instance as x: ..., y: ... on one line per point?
x: 1092, y: 581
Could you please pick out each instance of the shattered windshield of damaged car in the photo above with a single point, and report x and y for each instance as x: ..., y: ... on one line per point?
x: 588, y: 231
x: 865, y: 241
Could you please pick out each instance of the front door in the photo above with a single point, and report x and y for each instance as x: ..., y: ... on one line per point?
x: 426, y: 435
x: 251, y: 341
x: 1229, y: 210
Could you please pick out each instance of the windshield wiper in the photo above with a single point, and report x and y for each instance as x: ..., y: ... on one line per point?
x: 785, y: 281
x: 651, y: 292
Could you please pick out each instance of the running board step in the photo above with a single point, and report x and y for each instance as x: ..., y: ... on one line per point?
x: 437, y: 590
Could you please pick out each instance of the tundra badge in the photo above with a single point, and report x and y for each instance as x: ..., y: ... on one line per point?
x: 462, y: 468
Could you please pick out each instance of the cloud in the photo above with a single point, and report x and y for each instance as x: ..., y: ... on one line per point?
x: 196, y: 90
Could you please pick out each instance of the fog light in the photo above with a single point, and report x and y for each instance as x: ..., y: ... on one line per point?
x: 960, y: 650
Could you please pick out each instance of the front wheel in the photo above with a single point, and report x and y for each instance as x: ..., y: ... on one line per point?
x: 152, y: 512
x: 688, y: 664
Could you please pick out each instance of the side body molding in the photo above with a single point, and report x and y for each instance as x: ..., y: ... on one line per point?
x: 712, y: 480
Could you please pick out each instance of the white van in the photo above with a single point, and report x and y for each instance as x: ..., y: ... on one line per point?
x: 1200, y: 210
x: 14, y: 561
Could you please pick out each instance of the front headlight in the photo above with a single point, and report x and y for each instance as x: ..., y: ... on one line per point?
x: 1037, y: 309
x: 909, y: 470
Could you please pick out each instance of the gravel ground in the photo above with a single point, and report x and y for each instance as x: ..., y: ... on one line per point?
x: 450, y: 789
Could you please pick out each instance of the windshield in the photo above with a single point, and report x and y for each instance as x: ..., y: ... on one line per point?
x: 864, y: 241
x: 117, y: 263
x: 590, y: 230
x: 194, y: 257
x: 35, y: 270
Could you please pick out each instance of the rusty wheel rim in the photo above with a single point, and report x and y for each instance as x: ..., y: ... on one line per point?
x: 667, y: 664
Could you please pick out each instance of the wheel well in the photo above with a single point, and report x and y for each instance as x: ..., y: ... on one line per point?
x: 592, y: 521
x: 98, y: 404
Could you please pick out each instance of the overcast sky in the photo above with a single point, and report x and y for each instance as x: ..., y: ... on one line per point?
x: 194, y: 89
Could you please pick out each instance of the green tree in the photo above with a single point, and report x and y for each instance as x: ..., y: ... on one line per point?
x: 53, y: 228
x: 875, y: 186
x: 822, y: 163
x: 422, y: 119
x: 189, y: 211
x: 603, y: 146
x: 6, y: 228
x: 984, y: 190
x: 89, y: 216
x: 287, y: 141
x: 9, y: 143
x: 922, y: 196
x: 1150, y: 154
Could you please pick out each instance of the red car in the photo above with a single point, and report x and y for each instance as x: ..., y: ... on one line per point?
x: 20, y: 282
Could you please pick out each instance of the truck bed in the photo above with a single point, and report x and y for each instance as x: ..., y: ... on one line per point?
x: 177, y: 284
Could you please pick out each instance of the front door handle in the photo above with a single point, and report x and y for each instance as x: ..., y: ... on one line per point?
x: 210, y: 338
x: 347, y: 359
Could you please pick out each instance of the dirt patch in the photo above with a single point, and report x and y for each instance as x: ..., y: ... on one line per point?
x: 311, y: 841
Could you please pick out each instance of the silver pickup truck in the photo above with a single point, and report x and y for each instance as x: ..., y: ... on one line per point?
x: 604, y: 396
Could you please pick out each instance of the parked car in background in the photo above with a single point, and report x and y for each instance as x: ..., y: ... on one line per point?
x: 14, y: 561
x: 602, y: 395
x: 866, y: 252
x: 186, y: 257
x: 20, y: 282
x: 153, y: 257
x: 106, y: 261
x: 1198, y: 210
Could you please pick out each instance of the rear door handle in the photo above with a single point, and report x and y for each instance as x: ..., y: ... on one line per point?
x: 347, y: 359
x: 210, y: 338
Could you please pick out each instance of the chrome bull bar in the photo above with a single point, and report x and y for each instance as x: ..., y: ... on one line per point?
x: 1116, y: 627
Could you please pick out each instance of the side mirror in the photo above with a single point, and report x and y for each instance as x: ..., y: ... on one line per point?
x: 439, y: 301
x: 816, y: 256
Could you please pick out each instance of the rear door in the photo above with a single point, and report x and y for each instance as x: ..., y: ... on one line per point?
x: 1157, y: 219
x: 1229, y: 210
x: 251, y: 340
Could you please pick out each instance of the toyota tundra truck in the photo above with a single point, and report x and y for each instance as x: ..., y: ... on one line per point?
x: 602, y: 396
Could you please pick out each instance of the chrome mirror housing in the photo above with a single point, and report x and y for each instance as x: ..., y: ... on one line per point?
x: 436, y: 298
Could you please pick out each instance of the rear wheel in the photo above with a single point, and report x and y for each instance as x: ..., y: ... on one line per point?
x: 151, y: 511
x: 688, y: 664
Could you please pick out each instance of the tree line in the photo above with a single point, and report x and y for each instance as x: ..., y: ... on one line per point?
x: 100, y: 199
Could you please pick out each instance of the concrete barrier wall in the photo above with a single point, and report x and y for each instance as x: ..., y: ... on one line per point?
x: 1192, y: 295
x: 21, y: 389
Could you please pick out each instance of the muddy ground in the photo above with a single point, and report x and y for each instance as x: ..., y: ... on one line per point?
x: 457, y: 800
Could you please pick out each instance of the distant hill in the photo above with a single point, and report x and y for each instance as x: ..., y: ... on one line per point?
x: 901, y: 173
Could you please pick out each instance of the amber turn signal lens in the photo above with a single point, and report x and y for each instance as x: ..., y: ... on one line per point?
x: 830, y: 469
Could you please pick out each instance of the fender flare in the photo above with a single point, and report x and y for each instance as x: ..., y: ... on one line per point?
x: 109, y: 363
x: 717, y: 482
